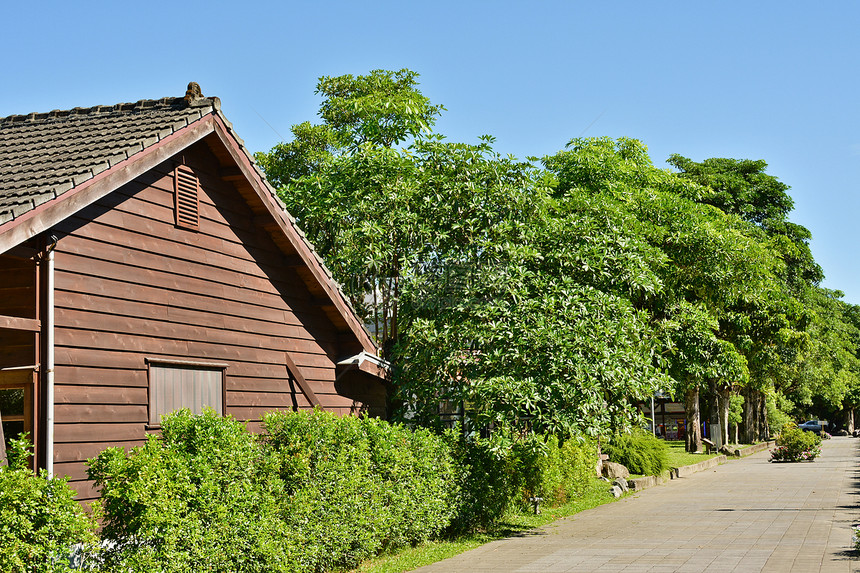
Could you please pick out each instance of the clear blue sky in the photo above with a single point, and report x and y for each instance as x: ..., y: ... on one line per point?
x: 763, y: 80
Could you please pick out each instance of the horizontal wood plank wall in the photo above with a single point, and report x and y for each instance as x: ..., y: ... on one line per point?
x: 131, y: 285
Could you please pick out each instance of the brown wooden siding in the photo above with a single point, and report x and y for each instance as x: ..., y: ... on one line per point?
x: 131, y: 285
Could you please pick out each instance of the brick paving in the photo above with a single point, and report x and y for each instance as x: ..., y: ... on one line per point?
x: 747, y: 515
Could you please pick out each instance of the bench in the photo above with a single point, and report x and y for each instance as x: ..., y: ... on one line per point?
x: 709, y: 445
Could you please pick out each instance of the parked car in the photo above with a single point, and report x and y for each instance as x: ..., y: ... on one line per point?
x: 814, y: 426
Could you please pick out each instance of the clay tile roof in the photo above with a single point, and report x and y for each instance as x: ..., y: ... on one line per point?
x: 43, y: 155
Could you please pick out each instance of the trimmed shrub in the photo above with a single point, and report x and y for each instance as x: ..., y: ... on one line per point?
x: 640, y: 451
x: 553, y: 470
x: 197, y: 498
x: 566, y: 470
x: 487, y: 474
x: 40, y: 520
x: 315, y: 492
x: 499, y: 475
x: 358, y: 486
x: 795, y: 445
x: 417, y: 470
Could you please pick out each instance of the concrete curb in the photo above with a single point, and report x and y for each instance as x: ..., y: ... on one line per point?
x: 703, y: 465
x: 638, y: 484
x: 756, y: 448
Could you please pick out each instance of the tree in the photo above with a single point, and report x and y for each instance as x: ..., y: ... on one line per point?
x: 712, y: 265
x: 539, y: 334
x: 776, y: 321
x: 736, y: 408
x: 740, y: 187
x: 554, y: 298
x: 381, y: 109
x: 826, y: 377
x: 482, y: 293
x: 356, y: 197
x: 851, y: 315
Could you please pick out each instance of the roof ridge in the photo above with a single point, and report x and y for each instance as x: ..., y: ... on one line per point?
x: 138, y: 106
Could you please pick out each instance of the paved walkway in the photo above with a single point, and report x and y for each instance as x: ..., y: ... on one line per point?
x: 746, y: 515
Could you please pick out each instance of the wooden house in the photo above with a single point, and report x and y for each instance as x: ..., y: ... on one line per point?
x: 146, y: 265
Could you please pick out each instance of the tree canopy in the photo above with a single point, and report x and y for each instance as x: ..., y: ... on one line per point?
x: 555, y: 295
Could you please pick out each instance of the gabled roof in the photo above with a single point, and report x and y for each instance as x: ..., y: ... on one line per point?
x: 54, y: 164
x: 43, y: 155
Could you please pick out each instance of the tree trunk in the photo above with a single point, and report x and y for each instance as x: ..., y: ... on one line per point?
x: 724, y: 395
x: 756, y: 428
x: 749, y: 430
x: 693, y: 431
x: 849, y: 420
x: 764, y: 427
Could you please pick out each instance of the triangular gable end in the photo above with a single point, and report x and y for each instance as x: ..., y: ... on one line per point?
x: 203, y: 122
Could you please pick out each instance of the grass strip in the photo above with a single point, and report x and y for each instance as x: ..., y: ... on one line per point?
x: 410, y: 558
x: 679, y: 457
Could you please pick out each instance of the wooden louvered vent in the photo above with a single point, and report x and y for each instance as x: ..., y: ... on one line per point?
x: 187, y: 191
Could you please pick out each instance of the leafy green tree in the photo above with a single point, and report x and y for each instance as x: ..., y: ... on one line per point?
x: 826, y: 376
x: 736, y: 410
x: 468, y: 266
x: 353, y: 193
x: 555, y: 298
x: 740, y: 187
x: 713, y: 266
x: 775, y: 322
x: 383, y: 108
x: 851, y: 315
x: 527, y: 349
x: 526, y: 321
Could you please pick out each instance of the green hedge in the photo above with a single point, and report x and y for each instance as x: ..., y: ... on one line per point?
x: 358, y: 486
x: 640, y: 451
x: 200, y: 497
x: 566, y: 469
x: 501, y: 475
x: 488, y: 485
x: 316, y: 491
x: 39, y: 518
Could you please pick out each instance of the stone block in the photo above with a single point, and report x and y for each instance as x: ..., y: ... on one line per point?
x: 614, y: 470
